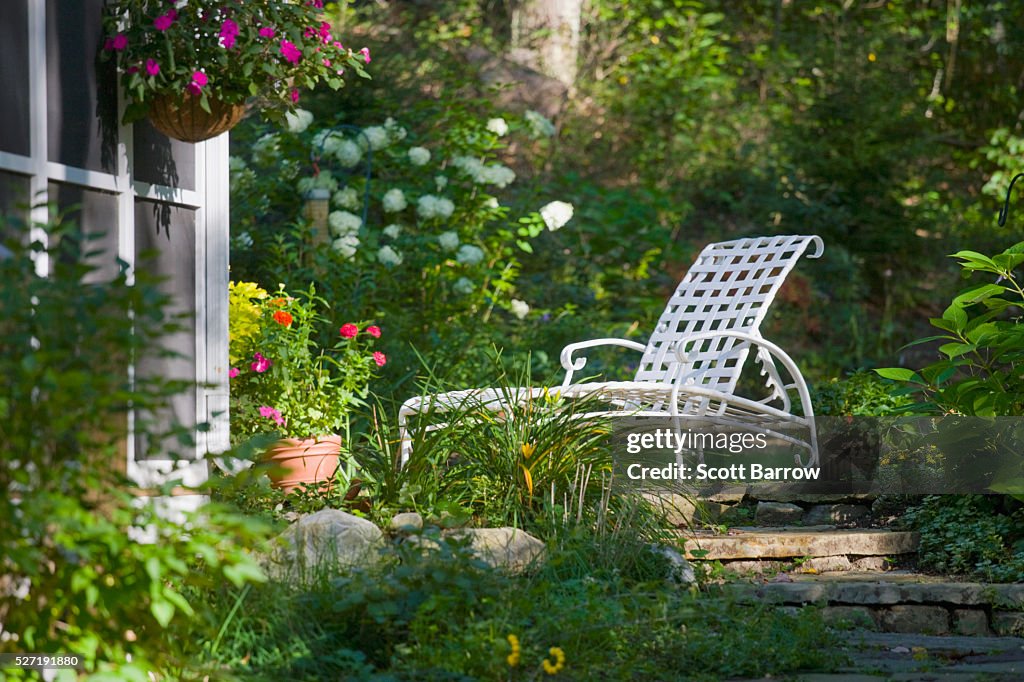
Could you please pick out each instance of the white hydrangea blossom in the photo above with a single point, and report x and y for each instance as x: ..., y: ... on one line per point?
x: 346, y: 246
x: 323, y: 180
x: 348, y: 198
x: 348, y: 153
x: 440, y: 182
x: 469, y: 254
x: 266, y: 149
x: 493, y: 174
x: 464, y: 286
x: 328, y: 141
x: 428, y: 206
x: 389, y: 257
x: 343, y: 223
x: 491, y: 203
x: 396, y: 132
x: 393, y: 230
x: 298, y: 120
x: 519, y: 308
x: 394, y: 201
x: 498, y: 126
x: 539, y: 125
x: 419, y: 156
x: 449, y: 241
x: 556, y: 214
x: 375, y: 136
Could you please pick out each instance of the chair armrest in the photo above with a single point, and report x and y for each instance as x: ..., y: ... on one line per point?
x: 765, y: 348
x: 574, y: 365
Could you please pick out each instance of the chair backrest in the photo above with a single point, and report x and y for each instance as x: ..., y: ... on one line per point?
x: 728, y: 288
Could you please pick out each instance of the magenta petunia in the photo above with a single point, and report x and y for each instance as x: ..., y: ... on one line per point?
x: 199, y: 79
x: 290, y: 52
x: 295, y: 96
x: 152, y: 67
x: 366, y: 54
x: 164, y: 21
x: 228, y: 33
x: 261, y: 364
x: 266, y: 32
x: 271, y: 413
x: 117, y: 43
x: 233, y: 372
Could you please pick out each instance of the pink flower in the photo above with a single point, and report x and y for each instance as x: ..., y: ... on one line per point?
x: 379, y: 358
x: 295, y: 95
x: 327, y: 62
x: 164, y: 21
x: 199, y: 79
x: 261, y: 365
x: 319, y: 4
x: 152, y: 67
x: 117, y: 43
x: 337, y: 44
x: 228, y: 33
x: 233, y: 372
x: 271, y: 413
x: 266, y: 32
x: 132, y: 69
x: 325, y: 32
x: 290, y: 52
x: 373, y: 331
x: 366, y: 54
x: 348, y: 330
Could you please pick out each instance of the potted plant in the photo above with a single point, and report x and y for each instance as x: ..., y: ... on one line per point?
x: 285, y: 382
x: 193, y: 66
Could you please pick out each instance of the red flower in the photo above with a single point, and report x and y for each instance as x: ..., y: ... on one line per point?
x: 373, y: 331
x: 283, y: 317
x: 164, y: 21
x: 348, y: 330
x: 290, y: 52
x: 380, y: 358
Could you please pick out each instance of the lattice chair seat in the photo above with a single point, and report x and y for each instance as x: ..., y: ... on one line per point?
x: 692, y: 363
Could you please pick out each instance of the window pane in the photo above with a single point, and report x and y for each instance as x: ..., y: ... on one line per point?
x: 14, y: 199
x: 95, y: 214
x: 168, y: 233
x: 81, y: 94
x: 159, y: 160
x: 14, y: 73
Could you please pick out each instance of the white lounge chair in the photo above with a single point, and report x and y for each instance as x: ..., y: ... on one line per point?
x: 691, y: 364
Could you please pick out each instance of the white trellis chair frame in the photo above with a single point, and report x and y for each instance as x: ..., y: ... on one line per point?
x: 692, y: 363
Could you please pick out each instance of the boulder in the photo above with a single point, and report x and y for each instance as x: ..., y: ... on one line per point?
x: 407, y: 522
x: 679, y: 571
x: 507, y: 549
x: 328, y: 540
x: 777, y: 514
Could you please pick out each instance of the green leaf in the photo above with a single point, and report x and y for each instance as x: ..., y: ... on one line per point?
x: 956, y: 315
x: 243, y: 572
x: 953, y: 350
x: 978, y: 294
x: 899, y: 374
x: 162, y: 610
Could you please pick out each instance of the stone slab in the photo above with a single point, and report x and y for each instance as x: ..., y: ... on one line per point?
x: 1008, y: 623
x: 884, y: 589
x: 971, y: 622
x: 913, y: 618
x: 777, y: 514
x: 770, y: 543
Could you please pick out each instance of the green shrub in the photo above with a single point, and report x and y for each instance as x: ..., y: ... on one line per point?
x: 76, y: 577
x: 862, y: 394
x: 977, y: 535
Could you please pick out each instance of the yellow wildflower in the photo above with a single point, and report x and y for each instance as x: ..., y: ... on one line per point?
x: 559, y: 656
x: 528, y: 449
x: 871, y: 56
x: 513, y: 658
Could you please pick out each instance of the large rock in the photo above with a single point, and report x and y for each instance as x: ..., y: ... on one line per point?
x: 328, y: 540
x: 679, y: 569
x: 777, y: 514
x: 407, y: 522
x: 929, y: 620
x: 507, y: 549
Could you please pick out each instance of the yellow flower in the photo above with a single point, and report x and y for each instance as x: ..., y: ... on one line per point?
x: 871, y: 56
x: 559, y: 656
x: 528, y: 449
x: 513, y: 658
x: 655, y: 39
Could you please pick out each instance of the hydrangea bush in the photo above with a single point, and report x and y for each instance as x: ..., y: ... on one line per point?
x: 419, y: 234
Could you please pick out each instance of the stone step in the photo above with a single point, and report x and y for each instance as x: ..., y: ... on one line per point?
x: 798, y: 542
x: 897, y: 601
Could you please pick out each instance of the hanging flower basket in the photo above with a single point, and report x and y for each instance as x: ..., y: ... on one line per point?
x: 185, y: 119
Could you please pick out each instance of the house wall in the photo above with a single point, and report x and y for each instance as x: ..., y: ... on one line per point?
x: 61, y: 141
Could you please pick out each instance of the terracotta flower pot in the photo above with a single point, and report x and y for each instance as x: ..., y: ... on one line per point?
x: 309, y: 461
x: 184, y: 119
